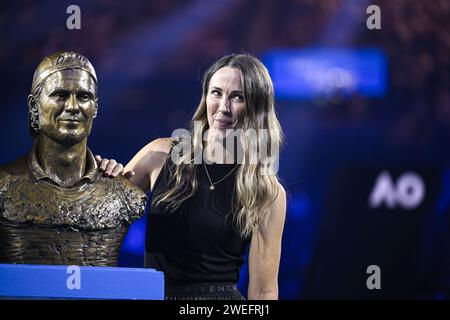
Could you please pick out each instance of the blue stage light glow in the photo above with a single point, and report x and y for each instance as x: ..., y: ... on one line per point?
x: 300, y: 206
x: 320, y: 72
x: 135, y: 239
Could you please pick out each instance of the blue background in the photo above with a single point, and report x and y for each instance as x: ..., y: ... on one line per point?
x: 150, y: 57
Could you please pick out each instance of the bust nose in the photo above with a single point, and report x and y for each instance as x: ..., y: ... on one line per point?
x: 71, y: 104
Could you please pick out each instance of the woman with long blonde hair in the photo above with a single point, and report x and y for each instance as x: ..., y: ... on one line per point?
x: 215, y: 189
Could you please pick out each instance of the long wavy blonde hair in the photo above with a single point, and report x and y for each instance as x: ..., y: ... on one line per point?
x: 255, y: 187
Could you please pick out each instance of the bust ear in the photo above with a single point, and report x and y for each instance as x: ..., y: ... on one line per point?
x: 33, y: 115
x: 31, y: 101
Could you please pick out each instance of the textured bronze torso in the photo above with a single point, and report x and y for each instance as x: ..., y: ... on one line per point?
x: 42, y: 223
x: 58, y: 245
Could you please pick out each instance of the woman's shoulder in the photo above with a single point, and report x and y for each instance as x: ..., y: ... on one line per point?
x: 148, y: 162
x: 151, y: 156
x: 160, y: 145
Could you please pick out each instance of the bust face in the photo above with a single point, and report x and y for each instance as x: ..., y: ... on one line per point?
x: 67, y: 106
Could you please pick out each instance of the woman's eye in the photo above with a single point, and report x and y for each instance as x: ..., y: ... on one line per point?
x: 215, y: 93
x: 238, y: 98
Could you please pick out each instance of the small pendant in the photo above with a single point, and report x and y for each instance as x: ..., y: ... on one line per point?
x: 211, y: 187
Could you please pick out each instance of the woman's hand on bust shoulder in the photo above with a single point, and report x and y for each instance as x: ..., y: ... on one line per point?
x: 111, y: 168
x: 143, y: 168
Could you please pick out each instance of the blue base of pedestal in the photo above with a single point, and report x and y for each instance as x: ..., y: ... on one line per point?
x: 72, y: 282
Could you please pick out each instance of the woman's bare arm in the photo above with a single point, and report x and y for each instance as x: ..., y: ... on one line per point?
x: 265, y: 252
x: 144, y: 167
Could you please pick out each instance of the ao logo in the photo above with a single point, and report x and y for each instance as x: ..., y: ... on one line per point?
x: 408, y: 193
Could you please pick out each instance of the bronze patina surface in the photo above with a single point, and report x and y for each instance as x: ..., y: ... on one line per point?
x: 55, y: 206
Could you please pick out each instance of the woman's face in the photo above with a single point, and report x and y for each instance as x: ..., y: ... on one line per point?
x: 225, y: 101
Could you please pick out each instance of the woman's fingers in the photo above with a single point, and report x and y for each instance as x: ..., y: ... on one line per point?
x: 129, y: 174
x: 110, y: 167
x: 117, y: 170
x: 103, y: 164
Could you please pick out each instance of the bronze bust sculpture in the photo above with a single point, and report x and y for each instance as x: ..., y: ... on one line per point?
x: 55, y: 206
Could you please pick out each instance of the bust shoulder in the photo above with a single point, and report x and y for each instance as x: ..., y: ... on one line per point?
x: 133, y: 198
x: 15, y: 167
x: 11, y: 170
x: 111, y: 201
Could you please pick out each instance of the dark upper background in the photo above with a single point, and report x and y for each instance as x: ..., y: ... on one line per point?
x: 150, y: 56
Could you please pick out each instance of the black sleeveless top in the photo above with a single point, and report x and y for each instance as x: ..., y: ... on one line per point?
x: 196, y: 242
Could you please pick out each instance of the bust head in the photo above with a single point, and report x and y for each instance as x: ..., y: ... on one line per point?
x: 63, y: 99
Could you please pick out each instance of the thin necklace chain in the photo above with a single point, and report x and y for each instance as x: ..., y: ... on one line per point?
x: 212, y: 184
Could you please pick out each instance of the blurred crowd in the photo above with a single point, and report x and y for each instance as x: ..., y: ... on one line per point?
x: 414, y: 35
